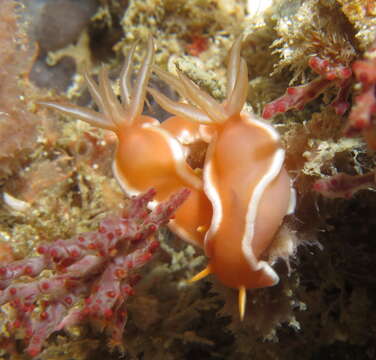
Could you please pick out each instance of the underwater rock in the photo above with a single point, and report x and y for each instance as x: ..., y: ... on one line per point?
x: 57, y: 77
x: 56, y: 24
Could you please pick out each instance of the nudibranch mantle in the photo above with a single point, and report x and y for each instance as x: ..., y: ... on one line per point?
x: 131, y: 160
x: 258, y: 135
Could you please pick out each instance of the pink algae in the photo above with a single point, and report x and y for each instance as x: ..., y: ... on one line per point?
x: 92, y: 275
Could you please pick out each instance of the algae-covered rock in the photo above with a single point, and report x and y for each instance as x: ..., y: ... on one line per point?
x: 56, y: 172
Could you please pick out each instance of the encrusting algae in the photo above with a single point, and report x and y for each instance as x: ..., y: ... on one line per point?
x: 310, y: 74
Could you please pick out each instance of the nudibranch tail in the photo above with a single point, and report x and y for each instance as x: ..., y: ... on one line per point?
x: 202, y: 274
x: 242, y: 291
x: 242, y: 301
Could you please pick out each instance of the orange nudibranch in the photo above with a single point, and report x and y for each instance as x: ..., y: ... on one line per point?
x: 147, y: 155
x: 239, y: 201
x: 244, y: 178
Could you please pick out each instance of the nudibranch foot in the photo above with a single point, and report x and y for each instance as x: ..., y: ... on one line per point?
x: 242, y: 290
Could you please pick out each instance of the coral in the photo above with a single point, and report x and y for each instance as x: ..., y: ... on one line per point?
x: 361, y: 118
x: 317, y: 37
x: 314, y: 28
x: 92, y: 275
x: 344, y: 185
x: 297, y: 97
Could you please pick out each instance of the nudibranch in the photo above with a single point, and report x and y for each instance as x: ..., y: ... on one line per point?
x: 244, y: 178
x: 147, y: 155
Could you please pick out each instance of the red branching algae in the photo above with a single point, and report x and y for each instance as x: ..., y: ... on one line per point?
x: 343, y: 185
x: 361, y: 118
x: 296, y: 97
x: 93, y: 275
